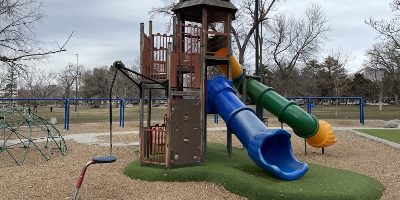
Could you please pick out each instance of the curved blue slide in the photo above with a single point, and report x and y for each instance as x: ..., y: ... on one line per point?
x: 269, y: 149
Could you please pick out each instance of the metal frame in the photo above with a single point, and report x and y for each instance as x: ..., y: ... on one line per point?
x: 23, y: 129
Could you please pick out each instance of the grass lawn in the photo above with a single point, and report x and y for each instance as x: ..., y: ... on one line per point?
x: 90, y: 115
x: 352, y: 112
x: 241, y: 176
x: 392, y: 135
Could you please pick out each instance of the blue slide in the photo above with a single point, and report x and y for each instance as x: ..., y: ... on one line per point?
x: 269, y: 149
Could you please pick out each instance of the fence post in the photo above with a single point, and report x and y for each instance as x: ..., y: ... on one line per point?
x: 65, y: 114
x: 69, y: 112
x: 309, y: 111
x: 216, y: 119
x: 122, y: 112
x: 68, y: 103
x: 362, y: 111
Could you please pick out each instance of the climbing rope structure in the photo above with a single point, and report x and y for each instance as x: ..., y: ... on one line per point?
x: 24, y: 134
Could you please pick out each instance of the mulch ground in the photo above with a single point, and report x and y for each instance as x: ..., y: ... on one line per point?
x: 56, y: 178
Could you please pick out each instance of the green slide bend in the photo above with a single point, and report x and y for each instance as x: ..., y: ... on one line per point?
x: 303, y: 124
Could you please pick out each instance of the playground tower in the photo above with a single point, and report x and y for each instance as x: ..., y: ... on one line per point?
x: 178, y: 64
x: 180, y: 61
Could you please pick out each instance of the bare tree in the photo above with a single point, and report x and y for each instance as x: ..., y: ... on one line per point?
x: 395, y: 5
x: 385, y: 57
x: 96, y: 82
x: 67, y: 78
x: 376, y: 75
x: 244, y: 26
x: 18, y: 43
x: 388, y: 30
x: 39, y: 83
x: 10, y: 88
x: 292, y: 40
x: 2, y: 78
x: 165, y: 10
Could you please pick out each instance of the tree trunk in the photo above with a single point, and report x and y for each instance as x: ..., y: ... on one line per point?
x: 241, y: 56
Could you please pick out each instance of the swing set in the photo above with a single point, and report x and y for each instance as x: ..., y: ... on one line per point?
x: 118, y: 66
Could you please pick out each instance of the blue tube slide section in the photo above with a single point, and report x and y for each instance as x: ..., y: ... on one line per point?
x: 269, y: 149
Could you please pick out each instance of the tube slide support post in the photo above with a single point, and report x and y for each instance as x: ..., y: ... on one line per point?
x: 229, y: 142
x: 244, y: 93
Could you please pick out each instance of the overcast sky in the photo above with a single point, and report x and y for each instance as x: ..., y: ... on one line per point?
x: 105, y: 31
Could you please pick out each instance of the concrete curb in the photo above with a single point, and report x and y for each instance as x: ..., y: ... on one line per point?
x: 392, y: 144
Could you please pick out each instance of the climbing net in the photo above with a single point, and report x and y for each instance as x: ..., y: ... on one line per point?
x: 22, y: 131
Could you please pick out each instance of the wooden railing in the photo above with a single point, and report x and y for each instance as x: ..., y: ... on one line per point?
x: 153, y: 145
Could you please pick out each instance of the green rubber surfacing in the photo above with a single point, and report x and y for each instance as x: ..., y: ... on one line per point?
x: 239, y: 175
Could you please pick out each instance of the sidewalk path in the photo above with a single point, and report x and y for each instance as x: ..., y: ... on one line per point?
x: 93, y: 138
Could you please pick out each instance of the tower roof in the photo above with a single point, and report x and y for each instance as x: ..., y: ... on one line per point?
x: 192, y: 9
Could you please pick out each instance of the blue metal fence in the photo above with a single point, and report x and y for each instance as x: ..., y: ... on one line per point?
x: 122, y: 102
x: 67, y: 105
x: 310, y: 105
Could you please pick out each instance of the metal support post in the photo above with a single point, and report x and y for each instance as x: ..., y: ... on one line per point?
x: 76, y: 84
x: 229, y: 142
x: 121, y: 112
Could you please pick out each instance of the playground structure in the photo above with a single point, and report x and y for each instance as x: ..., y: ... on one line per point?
x: 23, y: 130
x: 178, y: 64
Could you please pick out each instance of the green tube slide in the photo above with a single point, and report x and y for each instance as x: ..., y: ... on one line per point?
x: 303, y: 124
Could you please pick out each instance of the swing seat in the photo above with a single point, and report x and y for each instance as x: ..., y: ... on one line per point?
x: 105, y: 159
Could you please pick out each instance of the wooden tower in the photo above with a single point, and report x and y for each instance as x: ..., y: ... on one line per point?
x: 201, y: 28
